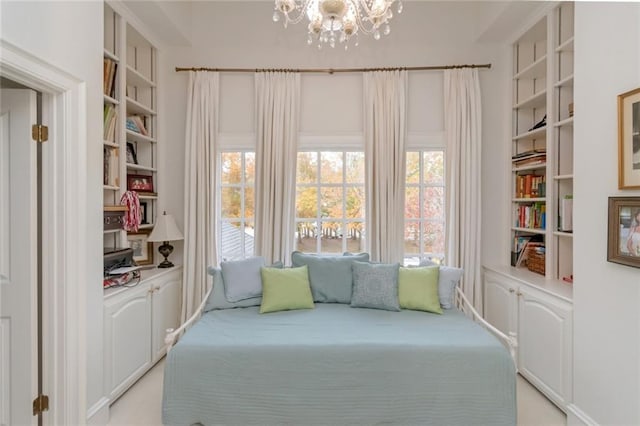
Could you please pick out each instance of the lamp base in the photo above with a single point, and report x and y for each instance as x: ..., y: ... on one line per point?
x: 165, y: 249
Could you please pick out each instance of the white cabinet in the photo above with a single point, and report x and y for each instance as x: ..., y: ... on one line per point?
x: 135, y: 321
x: 540, y: 315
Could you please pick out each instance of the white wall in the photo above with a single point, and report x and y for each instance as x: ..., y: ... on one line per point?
x: 50, y: 31
x: 232, y: 34
x: 606, y: 295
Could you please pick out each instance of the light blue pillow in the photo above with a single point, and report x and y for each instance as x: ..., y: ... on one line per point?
x: 242, y: 278
x: 375, y: 286
x: 330, y: 276
x: 217, y: 299
x: 448, y: 279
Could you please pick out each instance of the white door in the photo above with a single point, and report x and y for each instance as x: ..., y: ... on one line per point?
x: 18, y: 258
x: 165, y: 308
x: 499, y: 302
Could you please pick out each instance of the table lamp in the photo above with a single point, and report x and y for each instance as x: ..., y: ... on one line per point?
x: 165, y: 230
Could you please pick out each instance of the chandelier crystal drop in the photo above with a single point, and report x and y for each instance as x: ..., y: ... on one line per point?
x: 338, y: 21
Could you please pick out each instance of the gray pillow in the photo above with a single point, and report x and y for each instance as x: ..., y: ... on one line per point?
x: 217, y: 299
x: 448, y: 279
x: 375, y: 286
x: 330, y: 276
x: 242, y: 278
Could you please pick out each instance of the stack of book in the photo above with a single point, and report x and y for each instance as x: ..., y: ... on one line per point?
x: 109, y: 124
x: 135, y: 123
x: 529, y: 158
x: 530, y: 186
x: 532, y: 216
x: 110, y: 68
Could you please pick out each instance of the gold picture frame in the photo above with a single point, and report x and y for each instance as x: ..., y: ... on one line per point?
x: 624, y: 231
x: 142, y: 249
x: 629, y: 140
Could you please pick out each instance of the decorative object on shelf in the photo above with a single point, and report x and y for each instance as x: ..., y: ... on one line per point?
x: 144, y: 209
x: 113, y: 217
x: 132, y: 217
x: 132, y: 156
x: 540, y: 123
x: 624, y: 231
x: 536, y: 253
x: 140, y: 183
x: 629, y: 140
x: 338, y: 20
x: 165, y: 230
x: 141, y: 246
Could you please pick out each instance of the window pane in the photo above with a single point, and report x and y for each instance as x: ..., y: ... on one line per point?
x: 331, y: 202
x: 307, y: 168
x: 413, y: 167
x: 331, y: 241
x: 331, y: 171
x: 250, y: 167
x: 248, y: 203
x: 231, y: 167
x: 355, y: 202
x: 306, y: 237
x: 306, y: 203
x: 355, y: 167
x: 231, y: 242
x: 434, y: 203
x: 434, y: 167
x: 412, y: 237
x: 248, y: 239
x: 433, y: 239
x: 231, y: 203
x: 355, y: 242
x: 412, y: 203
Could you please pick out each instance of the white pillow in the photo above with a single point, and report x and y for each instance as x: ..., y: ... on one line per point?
x: 448, y: 279
x: 242, y: 278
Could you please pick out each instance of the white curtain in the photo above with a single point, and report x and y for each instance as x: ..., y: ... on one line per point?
x: 463, y: 129
x: 277, y: 120
x: 200, y: 187
x: 385, y: 134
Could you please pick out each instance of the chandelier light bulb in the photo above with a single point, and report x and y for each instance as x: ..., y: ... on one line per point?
x: 336, y: 21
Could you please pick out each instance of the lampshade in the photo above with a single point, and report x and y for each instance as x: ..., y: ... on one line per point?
x: 165, y: 229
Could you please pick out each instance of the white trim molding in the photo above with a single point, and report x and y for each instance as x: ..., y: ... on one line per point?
x: 98, y: 414
x: 577, y: 417
x: 64, y: 191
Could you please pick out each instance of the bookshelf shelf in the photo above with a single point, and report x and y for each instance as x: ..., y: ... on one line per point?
x: 131, y: 166
x: 109, y: 55
x: 134, y: 78
x: 110, y: 100
x: 536, y: 70
x: 563, y: 177
x: 110, y: 144
x: 530, y: 167
x: 532, y: 134
x: 110, y: 188
x: 565, y: 122
x: 135, y: 107
x: 112, y: 231
x: 537, y: 100
x: 146, y: 226
x: 563, y: 234
x: 529, y: 200
x: 565, y: 82
x: 147, y: 196
x: 138, y: 137
x: 530, y: 230
x: 566, y: 46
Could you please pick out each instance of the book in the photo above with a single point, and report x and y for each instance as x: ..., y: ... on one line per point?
x: 566, y: 214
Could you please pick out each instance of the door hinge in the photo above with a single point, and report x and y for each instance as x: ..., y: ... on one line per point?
x: 40, y: 404
x: 40, y: 133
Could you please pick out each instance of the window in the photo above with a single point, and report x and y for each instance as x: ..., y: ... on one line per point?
x: 237, y: 205
x: 330, y: 201
x: 424, y: 206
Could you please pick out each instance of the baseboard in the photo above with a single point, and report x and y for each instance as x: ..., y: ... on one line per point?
x: 98, y: 414
x: 577, y: 417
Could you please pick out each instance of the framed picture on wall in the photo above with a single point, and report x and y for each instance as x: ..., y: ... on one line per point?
x: 629, y: 140
x: 144, y: 211
x: 142, y: 249
x: 624, y: 231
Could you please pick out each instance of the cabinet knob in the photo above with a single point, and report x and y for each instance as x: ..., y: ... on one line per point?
x: 519, y: 293
x: 511, y: 290
x: 157, y: 288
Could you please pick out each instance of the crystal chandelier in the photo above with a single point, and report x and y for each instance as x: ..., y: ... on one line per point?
x: 338, y: 20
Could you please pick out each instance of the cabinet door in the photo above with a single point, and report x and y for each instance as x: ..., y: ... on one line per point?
x: 499, y: 302
x: 545, y: 327
x: 127, y: 339
x: 166, y: 305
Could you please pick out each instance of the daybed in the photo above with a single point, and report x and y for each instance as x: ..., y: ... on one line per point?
x: 335, y: 365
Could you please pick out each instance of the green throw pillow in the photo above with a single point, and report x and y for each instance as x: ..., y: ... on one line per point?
x: 418, y: 289
x: 285, y: 289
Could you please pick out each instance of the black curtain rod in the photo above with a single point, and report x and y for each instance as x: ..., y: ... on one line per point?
x: 333, y: 70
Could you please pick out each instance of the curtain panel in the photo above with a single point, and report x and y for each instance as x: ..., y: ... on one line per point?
x: 385, y: 134
x: 200, y: 186
x: 277, y: 96
x: 463, y: 133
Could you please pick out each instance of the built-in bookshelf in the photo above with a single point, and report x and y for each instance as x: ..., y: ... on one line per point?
x: 542, y: 145
x: 130, y: 121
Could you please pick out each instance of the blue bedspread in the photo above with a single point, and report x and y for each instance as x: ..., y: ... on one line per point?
x: 337, y: 365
